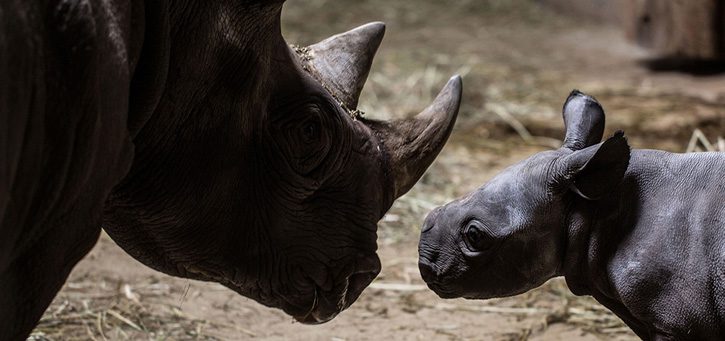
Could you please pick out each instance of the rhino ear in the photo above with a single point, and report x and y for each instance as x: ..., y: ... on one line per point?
x: 343, y: 61
x: 584, y: 121
x: 594, y: 171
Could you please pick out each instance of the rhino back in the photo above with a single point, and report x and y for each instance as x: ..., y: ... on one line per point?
x: 668, y: 268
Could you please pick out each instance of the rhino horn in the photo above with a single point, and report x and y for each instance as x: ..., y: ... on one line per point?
x: 342, y: 62
x: 412, y: 144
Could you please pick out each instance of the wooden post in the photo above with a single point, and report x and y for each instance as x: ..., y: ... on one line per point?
x: 691, y: 29
x: 685, y: 29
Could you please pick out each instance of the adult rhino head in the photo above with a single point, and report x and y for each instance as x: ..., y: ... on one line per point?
x: 252, y: 168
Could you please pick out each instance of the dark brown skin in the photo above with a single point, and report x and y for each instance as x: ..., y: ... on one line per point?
x: 642, y: 232
x: 204, y: 145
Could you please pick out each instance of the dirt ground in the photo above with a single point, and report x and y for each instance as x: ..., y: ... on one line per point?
x: 519, y: 62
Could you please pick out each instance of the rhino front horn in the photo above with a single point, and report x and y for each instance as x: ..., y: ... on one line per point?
x: 342, y: 62
x: 413, y: 143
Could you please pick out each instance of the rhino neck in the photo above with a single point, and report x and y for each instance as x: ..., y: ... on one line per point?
x: 595, y: 231
x: 200, y: 100
x: 151, y: 37
x: 188, y: 48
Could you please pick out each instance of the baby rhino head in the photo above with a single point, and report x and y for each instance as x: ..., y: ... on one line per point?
x: 509, y: 236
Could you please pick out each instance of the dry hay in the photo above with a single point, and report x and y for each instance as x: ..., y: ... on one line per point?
x: 93, y: 309
x: 541, y: 308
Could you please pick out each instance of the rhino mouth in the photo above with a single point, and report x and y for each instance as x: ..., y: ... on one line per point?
x: 327, y: 304
x: 326, y: 307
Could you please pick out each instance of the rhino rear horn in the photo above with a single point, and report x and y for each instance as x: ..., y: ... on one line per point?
x: 583, y: 120
x: 343, y: 61
x: 412, y: 144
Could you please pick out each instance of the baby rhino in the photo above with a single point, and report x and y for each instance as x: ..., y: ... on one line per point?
x: 641, y: 231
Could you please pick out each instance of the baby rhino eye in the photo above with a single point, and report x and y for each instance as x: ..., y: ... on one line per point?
x: 477, y: 237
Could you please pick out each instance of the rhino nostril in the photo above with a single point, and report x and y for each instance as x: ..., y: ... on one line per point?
x: 427, y: 272
x: 357, y: 282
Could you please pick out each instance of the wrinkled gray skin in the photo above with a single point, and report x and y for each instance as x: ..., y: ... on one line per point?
x: 642, y: 232
x: 204, y: 145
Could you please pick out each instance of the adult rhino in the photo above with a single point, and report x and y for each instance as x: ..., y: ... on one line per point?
x: 204, y: 145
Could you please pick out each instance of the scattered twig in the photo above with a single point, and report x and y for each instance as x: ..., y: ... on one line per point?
x: 99, y: 324
x: 490, y: 309
x: 520, y: 129
x: 124, y: 319
x: 699, y: 142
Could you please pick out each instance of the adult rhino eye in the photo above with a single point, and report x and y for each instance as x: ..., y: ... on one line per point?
x: 309, y: 144
x: 311, y: 132
x: 303, y: 136
x: 477, y: 237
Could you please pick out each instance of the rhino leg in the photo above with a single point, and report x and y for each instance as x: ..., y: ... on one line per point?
x: 31, y: 282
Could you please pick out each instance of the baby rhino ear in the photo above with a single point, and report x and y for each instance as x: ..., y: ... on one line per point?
x: 594, y: 171
x: 583, y: 121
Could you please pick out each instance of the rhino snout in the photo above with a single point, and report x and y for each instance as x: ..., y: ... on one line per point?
x: 429, y: 252
x: 428, y: 273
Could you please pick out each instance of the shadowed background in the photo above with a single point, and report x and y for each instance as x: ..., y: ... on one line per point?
x: 519, y: 60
